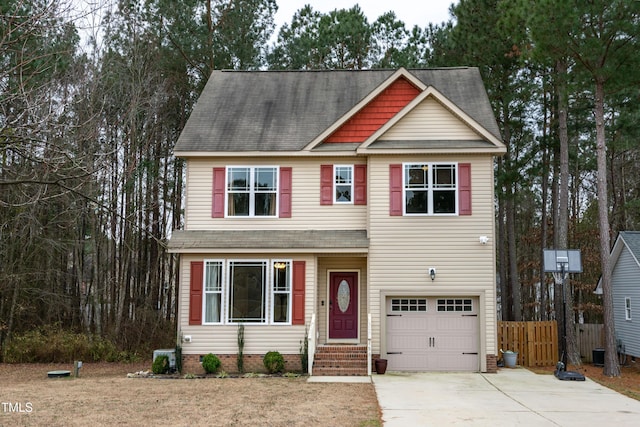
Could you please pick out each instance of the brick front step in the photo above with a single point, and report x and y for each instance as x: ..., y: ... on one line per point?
x: 340, y: 372
x: 340, y: 360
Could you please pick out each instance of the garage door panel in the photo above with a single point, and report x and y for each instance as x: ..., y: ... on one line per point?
x: 453, y: 361
x: 407, y: 362
x: 449, y: 323
x: 406, y: 333
x: 407, y: 343
x: 457, y: 343
x: 403, y: 323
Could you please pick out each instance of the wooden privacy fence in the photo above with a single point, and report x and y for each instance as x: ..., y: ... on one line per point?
x: 535, y: 342
x: 590, y: 336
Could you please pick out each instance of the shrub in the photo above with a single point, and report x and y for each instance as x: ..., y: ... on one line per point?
x: 274, y: 362
x: 160, y: 364
x: 179, y: 358
x: 304, y: 352
x: 240, y: 361
x: 52, y: 344
x: 211, y: 363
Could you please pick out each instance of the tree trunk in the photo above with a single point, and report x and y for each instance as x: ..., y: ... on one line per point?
x: 611, y: 365
x: 562, y: 230
x: 505, y: 306
x: 510, y: 218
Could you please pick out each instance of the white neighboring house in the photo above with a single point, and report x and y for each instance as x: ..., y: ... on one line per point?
x: 625, y: 286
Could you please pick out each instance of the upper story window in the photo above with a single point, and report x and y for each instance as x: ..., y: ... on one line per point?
x: 343, y: 184
x: 252, y: 191
x: 430, y: 188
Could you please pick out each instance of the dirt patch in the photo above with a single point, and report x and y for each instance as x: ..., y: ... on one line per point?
x: 103, y: 395
x: 628, y: 383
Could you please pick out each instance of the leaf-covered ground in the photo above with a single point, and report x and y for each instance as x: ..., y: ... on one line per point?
x: 628, y: 383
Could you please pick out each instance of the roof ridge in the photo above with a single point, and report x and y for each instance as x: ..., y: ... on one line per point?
x: 228, y: 70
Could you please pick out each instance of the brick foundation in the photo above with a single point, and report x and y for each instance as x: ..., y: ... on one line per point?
x: 492, y: 363
x: 229, y: 363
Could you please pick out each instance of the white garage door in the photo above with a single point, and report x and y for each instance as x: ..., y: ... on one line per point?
x: 432, y: 334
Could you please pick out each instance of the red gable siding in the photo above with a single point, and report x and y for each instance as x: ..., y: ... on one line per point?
x: 376, y: 113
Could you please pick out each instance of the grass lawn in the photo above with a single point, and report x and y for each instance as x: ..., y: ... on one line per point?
x: 103, y: 395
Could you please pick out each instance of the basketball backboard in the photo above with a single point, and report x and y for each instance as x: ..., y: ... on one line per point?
x: 562, y: 261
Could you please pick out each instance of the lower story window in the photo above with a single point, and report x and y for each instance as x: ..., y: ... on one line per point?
x: 247, y: 291
x: 213, y: 292
x: 281, y: 288
x: 251, y: 291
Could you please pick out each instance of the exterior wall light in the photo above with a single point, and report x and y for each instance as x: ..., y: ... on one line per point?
x: 484, y: 240
x: 432, y: 273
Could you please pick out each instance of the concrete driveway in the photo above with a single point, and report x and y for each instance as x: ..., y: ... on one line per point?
x: 511, y: 397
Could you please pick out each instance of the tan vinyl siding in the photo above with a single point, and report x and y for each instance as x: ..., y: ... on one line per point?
x: 259, y: 339
x: 402, y: 249
x: 429, y: 121
x: 307, y: 213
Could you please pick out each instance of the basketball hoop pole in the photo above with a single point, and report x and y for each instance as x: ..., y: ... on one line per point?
x: 560, y: 263
x: 564, y: 315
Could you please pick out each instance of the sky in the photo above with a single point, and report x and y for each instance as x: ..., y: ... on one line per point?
x: 411, y: 12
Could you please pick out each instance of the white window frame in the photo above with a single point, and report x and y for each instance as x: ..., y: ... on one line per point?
x: 252, y: 191
x: 288, y: 291
x: 269, y: 291
x: 265, y: 292
x: 627, y: 308
x: 221, y: 291
x: 430, y: 188
x: 337, y: 184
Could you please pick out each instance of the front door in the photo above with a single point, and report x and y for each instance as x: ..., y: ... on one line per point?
x: 343, y: 305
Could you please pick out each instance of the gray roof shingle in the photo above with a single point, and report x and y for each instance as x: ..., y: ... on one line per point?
x: 286, y: 110
x: 632, y: 239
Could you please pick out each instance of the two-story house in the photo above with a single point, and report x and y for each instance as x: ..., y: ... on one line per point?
x: 355, y: 208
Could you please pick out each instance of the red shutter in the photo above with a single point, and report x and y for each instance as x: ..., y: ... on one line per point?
x: 195, y: 293
x: 285, y: 192
x: 464, y: 188
x: 395, y: 190
x: 299, y: 285
x: 217, y: 206
x: 360, y: 184
x: 326, y: 184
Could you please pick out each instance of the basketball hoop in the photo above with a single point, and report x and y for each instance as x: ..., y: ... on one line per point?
x: 560, y: 263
